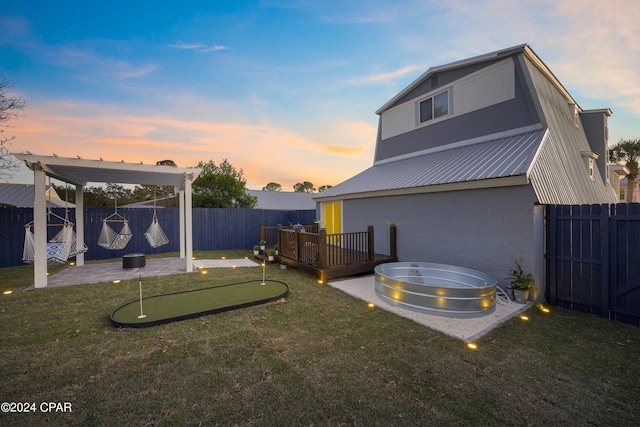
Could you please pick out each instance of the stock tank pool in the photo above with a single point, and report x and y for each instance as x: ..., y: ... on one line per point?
x: 439, y: 289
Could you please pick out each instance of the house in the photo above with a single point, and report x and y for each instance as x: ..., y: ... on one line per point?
x: 623, y: 188
x: 283, y: 200
x: 271, y: 200
x: 22, y: 195
x: 466, y: 158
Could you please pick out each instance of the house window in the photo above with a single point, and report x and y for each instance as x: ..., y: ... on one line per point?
x: 591, y: 162
x: 434, y: 107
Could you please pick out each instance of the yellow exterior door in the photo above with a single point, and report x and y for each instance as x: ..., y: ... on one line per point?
x: 333, y: 217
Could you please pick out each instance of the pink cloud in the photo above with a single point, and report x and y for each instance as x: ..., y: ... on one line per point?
x: 266, y: 152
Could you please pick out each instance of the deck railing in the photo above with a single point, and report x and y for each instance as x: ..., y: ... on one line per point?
x: 270, y: 233
x: 324, y: 250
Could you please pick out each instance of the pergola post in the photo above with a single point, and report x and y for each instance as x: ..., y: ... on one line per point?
x: 80, y: 223
x: 40, y: 228
x: 181, y: 221
x: 188, y: 220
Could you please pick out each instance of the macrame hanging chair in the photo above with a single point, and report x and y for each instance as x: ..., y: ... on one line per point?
x: 61, y: 247
x: 111, y: 240
x: 154, y: 234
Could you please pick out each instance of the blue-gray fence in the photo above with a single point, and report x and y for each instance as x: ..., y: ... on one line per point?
x: 593, y: 259
x: 212, y: 229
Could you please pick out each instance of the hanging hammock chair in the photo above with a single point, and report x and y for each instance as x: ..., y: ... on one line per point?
x: 111, y: 240
x: 154, y: 234
x: 62, y: 246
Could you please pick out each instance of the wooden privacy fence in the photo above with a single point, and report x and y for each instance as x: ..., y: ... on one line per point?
x: 212, y: 229
x: 593, y: 259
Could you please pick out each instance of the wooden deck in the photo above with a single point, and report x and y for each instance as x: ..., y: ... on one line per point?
x: 329, y: 256
x: 337, y: 271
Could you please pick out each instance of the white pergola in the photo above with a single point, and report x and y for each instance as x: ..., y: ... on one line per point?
x: 80, y: 172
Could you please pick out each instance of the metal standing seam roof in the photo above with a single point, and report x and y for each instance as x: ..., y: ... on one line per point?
x: 21, y: 196
x: 496, y: 158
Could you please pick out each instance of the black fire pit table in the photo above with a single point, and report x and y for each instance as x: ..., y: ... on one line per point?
x: 134, y: 261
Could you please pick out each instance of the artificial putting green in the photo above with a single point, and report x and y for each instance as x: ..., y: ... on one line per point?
x: 183, y: 305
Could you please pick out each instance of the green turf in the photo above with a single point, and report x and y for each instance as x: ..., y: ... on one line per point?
x: 187, y: 304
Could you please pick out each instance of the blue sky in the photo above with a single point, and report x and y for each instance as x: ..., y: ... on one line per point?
x: 286, y: 90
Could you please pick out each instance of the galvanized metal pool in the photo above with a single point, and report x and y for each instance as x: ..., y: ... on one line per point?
x: 439, y: 289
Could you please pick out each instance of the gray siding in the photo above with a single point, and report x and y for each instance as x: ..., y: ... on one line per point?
x: 444, y: 78
x: 595, y: 125
x: 516, y: 113
x: 483, y: 229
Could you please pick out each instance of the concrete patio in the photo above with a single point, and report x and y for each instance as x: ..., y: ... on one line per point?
x: 110, y: 271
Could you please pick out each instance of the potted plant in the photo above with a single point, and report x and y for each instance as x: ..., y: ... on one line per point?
x: 283, y: 266
x: 263, y: 244
x: 256, y: 249
x: 275, y: 249
x: 271, y: 253
x: 521, y: 282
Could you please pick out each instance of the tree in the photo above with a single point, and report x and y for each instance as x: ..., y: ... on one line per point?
x: 627, y: 151
x: 147, y: 192
x: 304, y: 187
x: 221, y: 187
x: 166, y: 163
x: 324, y: 188
x: 272, y: 186
x: 8, y: 111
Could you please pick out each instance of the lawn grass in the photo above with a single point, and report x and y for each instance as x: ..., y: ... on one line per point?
x: 319, y: 358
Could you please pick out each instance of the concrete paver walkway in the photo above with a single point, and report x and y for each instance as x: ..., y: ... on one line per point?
x: 110, y: 271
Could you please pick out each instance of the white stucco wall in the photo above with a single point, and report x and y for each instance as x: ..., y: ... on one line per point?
x: 485, y: 229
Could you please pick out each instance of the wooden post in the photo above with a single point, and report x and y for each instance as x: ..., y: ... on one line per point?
x: 298, y: 244
x: 370, y: 248
x: 322, y: 248
x: 278, y: 240
x: 605, y: 259
x: 552, y: 239
x: 261, y: 238
x: 393, y: 249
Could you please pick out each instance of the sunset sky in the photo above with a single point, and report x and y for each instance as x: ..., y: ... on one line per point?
x: 285, y: 90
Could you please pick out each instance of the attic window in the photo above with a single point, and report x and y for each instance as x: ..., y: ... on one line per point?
x: 434, y: 107
x: 576, y: 116
x: 592, y: 157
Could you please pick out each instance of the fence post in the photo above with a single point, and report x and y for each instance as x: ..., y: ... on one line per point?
x: 370, y: 251
x: 605, y: 260
x: 393, y: 251
x: 262, y: 232
x: 552, y: 230
x: 322, y: 248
